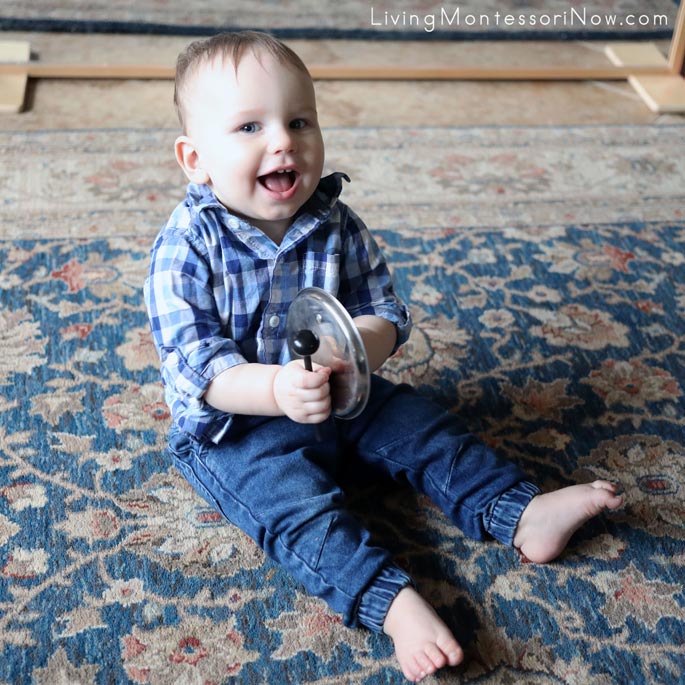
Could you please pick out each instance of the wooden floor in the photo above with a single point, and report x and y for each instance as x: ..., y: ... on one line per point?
x: 63, y: 104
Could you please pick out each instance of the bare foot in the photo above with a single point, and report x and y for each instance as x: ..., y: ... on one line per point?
x: 548, y: 522
x: 423, y: 643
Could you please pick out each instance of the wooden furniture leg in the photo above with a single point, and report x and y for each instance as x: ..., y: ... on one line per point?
x: 662, y: 93
x: 13, y: 86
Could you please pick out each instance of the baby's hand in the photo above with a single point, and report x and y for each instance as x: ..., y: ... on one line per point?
x: 304, y: 396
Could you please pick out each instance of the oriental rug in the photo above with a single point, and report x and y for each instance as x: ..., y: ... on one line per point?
x: 355, y: 19
x: 545, y: 268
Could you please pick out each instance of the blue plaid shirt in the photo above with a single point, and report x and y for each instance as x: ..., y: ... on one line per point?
x: 219, y: 290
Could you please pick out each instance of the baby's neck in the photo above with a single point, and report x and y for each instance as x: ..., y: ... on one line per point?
x: 275, y: 230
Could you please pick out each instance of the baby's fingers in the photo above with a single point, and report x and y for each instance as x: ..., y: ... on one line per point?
x: 306, y: 395
x: 316, y: 412
x: 314, y: 379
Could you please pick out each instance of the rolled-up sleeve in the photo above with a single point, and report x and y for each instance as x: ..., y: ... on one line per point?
x: 186, y: 326
x: 366, y: 284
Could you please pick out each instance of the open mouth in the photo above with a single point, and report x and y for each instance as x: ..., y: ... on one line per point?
x: 279, y: 181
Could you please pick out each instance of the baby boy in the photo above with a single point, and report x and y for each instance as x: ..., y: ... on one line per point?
x: 257, y: 225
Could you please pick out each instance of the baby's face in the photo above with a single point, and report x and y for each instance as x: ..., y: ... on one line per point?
x: 257, y: 137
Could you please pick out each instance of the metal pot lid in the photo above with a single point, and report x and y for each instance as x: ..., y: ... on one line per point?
x: 340, y: 347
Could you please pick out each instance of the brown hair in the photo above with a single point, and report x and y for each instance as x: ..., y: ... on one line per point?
x: 227, y: 46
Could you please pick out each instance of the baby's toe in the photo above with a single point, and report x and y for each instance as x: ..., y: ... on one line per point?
x: 605, y: 496
x: 451, y: 649
x: 603, y: 485
x: 436, y: 656
x: 413, y: 669
x: 411, y: 673
x: 425, y: 665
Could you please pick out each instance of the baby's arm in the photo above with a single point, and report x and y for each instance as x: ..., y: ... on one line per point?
x: 272, y: 390
x: 304, y: 396
x: 189, y: 334
x: 366, y: 286
x: 379, y: 336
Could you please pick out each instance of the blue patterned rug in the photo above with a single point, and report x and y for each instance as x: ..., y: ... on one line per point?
x: 546, y: 272
x: 354, y: 19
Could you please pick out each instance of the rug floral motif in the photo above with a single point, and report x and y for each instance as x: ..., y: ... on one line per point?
x: 552, y: 320
x: 415, y: 19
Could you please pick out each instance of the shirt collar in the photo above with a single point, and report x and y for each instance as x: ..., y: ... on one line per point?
x: 200, y: 196
x: 326, y: 193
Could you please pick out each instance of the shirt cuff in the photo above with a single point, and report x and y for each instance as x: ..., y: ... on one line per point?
x: 400, y: 317
x: 192, y: 378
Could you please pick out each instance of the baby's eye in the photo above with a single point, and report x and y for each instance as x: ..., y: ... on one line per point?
x: 249, y: 128
x: 298, y: 123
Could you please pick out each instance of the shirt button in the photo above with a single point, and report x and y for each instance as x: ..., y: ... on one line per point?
x: 274, y: 321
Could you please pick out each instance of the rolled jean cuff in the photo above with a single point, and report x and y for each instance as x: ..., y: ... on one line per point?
x: 504, y: 514
x: 377, y: 598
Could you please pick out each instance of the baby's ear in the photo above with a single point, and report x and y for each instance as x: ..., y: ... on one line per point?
x: 189, y: 160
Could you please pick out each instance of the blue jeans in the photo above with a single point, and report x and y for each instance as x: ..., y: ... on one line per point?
x: 275, y: 481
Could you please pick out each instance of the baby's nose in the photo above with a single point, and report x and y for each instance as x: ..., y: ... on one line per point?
x: 282, y: 140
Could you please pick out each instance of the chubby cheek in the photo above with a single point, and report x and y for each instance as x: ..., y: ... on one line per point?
x: 313, y: 178
x: 317, y: 174
x: 316, y: 151
x: 232, y: 163
x: 235, y: 180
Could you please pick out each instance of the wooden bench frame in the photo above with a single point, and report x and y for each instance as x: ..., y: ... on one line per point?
x: 659, y: 80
